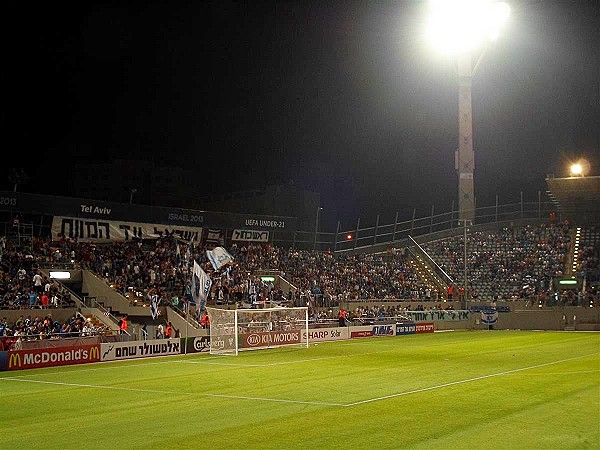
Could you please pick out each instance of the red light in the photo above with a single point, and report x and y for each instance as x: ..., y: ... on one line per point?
x: 348, y: 237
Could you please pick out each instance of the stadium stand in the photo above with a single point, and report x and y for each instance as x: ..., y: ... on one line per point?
x: 509, y: 264
x: 512, y: 262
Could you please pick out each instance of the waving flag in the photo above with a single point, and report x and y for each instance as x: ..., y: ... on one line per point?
x: 154, y: 306
x: 489, y: 317
x: 201, y: 284
x: 218, y: 257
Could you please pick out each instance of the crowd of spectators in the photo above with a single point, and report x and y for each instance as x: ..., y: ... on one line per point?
x: 371, y: 314
x: 162, y: 267
x: 29, y: 289
x: 588, y: 254
x: 39, y: 327
x: 511, y: 263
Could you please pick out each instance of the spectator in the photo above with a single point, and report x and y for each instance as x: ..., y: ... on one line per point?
x: 38, y: 281
x: 160, y: 331
x: 123, y: 325
x: 205, y: 320
x: 169, y: 331
x: 44, y: 300
x: 342, y: 317
x: 32, y: 298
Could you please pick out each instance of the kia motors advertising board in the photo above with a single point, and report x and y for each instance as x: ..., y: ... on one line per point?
x: 268, y: 338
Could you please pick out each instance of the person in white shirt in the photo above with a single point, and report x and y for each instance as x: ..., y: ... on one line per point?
x: 160, y: 331
x: 37, y: 283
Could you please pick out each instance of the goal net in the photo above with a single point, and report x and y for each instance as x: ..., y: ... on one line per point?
x: 234, y: 330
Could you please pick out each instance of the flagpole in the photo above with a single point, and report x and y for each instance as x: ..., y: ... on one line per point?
x: 187, y: 324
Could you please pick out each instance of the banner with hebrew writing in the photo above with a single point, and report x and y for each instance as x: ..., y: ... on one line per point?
x: 92, y: 230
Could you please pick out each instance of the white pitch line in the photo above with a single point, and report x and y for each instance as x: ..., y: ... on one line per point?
x: 267, y: 399
x: 282, y: 363
x: 430, y: 388
x: 92, y: 386
x: 278, y: 400
x: 156, y: 391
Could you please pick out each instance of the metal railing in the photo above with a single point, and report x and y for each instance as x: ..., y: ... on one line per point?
x: 348, y: 239
x: 441, y: 273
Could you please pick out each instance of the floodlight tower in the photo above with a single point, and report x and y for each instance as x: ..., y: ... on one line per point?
x: 461, y: 29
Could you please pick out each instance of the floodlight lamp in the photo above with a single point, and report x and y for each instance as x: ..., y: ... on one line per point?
x: 580, y: 168
x: 461, y: 26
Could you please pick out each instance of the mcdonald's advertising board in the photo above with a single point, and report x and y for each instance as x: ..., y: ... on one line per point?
x: 49, y: 357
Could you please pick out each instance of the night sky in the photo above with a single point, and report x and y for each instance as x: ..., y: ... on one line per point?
x: 342, y: 97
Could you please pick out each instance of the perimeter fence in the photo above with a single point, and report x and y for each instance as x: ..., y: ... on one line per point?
x: 382, y: 235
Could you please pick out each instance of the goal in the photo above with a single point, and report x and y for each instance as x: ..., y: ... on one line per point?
x: 234, y: 330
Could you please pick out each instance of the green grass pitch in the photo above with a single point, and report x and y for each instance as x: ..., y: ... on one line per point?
x: 452, y: 390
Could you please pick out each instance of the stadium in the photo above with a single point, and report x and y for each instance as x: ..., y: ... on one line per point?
x: 516, y: 348
x: 136, y: 313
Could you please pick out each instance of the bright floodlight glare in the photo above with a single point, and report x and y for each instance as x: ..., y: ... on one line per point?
x: 456, y: 26
x: 580, y: 168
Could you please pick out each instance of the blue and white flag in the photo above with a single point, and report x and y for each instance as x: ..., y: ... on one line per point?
x: 218, y: 257
x: 214, y: 236
x: 201, y: 284
x: 489, y: 317
x: 154, y: 306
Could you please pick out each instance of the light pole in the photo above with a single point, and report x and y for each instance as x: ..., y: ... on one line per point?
x: 316, y: 227
x: 465, y: 288
x: 462, y: 29
x: 464, y: 160
x: 131, y: 192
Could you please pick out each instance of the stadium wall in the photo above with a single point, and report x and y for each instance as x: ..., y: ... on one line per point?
x: 565, y: 319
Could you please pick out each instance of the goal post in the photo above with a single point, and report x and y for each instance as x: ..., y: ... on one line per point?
x: 235, y: 330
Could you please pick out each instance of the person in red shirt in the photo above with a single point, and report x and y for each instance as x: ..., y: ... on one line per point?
x: 205, y: 320
x: 169, y: 331
x: 123, y: 325
x: 45, y: 300
x: 342, y: 317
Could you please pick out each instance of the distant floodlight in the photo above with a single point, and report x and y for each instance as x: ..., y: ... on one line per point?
x: 456, y: 26
x: 580, y: 168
